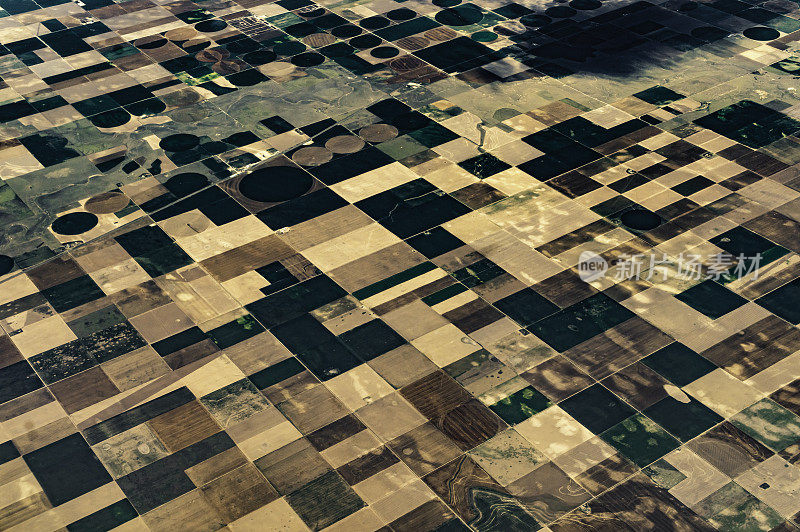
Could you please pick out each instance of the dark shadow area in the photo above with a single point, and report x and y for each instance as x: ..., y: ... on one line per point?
x: 568, y: 38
